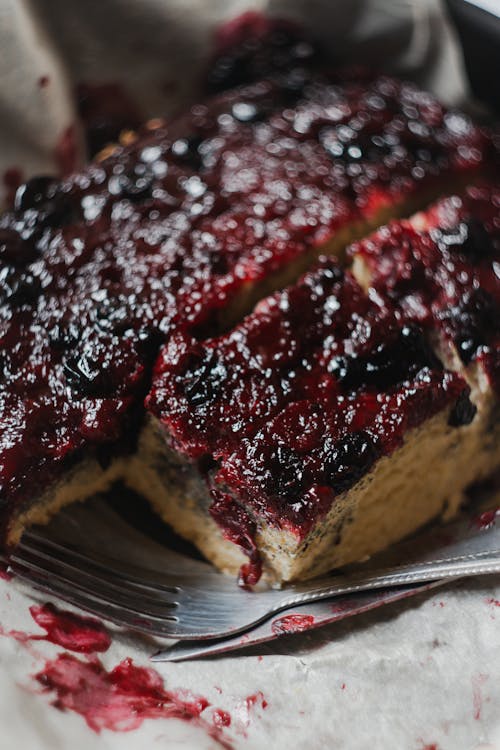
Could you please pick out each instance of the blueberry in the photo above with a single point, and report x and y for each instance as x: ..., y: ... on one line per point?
x: 469, y: 238
x: 351, y: 457
x: 473, y: 321
x: 135, y: 185
x: 64, y: 335
x: 14, y: 250
x: 35, y: 193
x: 18, y: 288
x: 388, y: 364
x: 187, y: 151
x: 285, y: 475
x: 203, y: 379
x: 45, y: 205
x: 84, y: 376
x: 255, y: 56
x: 463, y: 412
x: 113, y: 315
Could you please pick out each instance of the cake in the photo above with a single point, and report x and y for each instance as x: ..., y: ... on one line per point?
x: 168, y: 240
x: 318, y: 431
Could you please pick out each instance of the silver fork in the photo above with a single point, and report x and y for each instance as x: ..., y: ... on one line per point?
x: 142, y: 585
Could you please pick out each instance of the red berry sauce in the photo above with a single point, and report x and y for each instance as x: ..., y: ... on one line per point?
x: 296, y: 404
x: 445, y: 275
x: 84, y: 635
x: 121, y: 699
x: 99, y: 269
x: 292, y: 624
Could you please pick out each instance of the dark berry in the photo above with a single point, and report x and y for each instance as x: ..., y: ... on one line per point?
x: 351, y: 457
x: 203, y: 379
x: 187, y: 151
x: 135, y: 185
x: 35, y: 193
x: 83, y: 375
x: 113, y: 315
x: 473, y: 321
x: 18, y: 287
x: 347, y: 145
x: 285, y: 474
x: 388, y: 364
x: 469, y: 238
x: 45, y: 205
x: 463, y: 412
x: 14, y: 250
x: 64, y: 336
x: 255, y: 55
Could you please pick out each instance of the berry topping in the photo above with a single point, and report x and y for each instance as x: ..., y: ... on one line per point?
x: 281, y: 430
x: 164, y: 239
x: 351, y: 457
x: 442, y: 271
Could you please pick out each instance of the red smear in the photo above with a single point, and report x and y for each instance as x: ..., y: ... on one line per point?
x: 76, y: 633
x: 343, y: 686
x: 221, y: 718
x: 245, y: 707
x: 486, y: 519
x: 121, y: 699
x: 66, y: 151
x: 477, y: 696
x: 12, y: 178
x: 43, y: 81
x: 432, y: 746
x: 292, y: 624
x: 494, y: 602
x: 5, y: 575
x: 251, y: 700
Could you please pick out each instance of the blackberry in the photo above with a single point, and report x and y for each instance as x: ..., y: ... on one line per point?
x: 203, y: 379
x: 351, y: 457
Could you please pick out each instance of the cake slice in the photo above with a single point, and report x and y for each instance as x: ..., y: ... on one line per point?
x: 316, y: 432
x: 441, y: 270
x: 182, y: 228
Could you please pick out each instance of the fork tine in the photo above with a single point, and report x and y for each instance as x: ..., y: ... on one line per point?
x: 94, y: 586
x: 123, y: 617
x: 128, y: 572
x: 80, y: 564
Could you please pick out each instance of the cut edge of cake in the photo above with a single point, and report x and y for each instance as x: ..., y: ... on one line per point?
x: 400, y: 494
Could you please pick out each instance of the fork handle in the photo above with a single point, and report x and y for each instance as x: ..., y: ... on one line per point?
x: 421, y: 572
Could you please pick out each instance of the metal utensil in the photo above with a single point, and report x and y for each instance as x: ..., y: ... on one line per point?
x: 146, y: 587
x: 297, y: 620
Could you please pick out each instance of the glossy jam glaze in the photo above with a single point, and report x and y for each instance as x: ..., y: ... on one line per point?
x: 444, y: 273
x: 294, y: 405
x: 97, y: 270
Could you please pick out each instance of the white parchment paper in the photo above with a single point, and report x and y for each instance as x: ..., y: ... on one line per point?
x: 419, y: 675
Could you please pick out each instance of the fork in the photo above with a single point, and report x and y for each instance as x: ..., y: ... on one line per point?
x: 146, y: 587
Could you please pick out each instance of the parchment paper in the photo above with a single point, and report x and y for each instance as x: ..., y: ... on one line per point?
x: 423, y: 674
